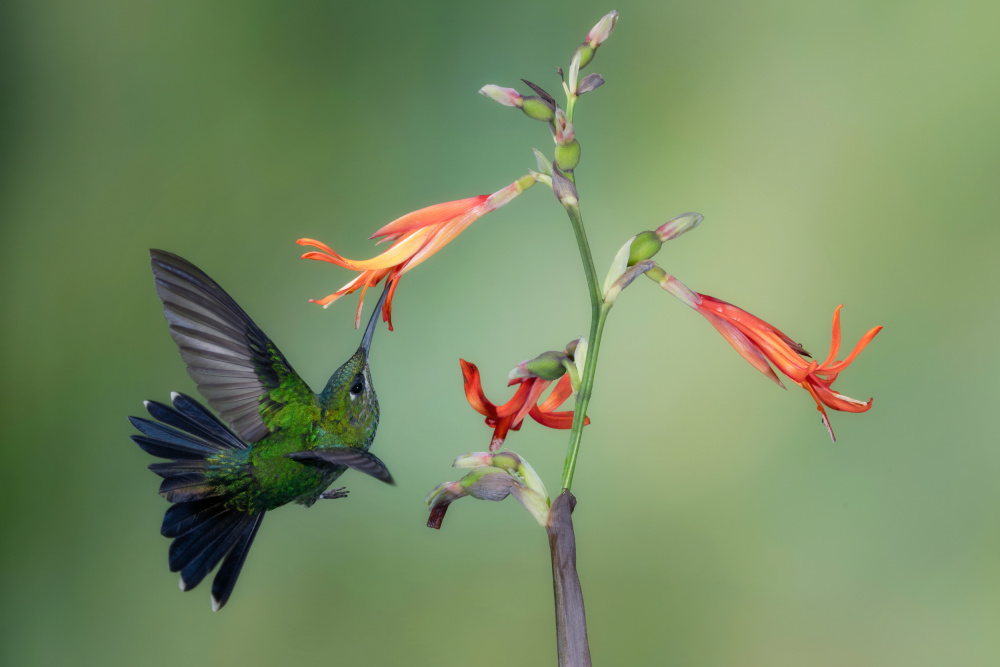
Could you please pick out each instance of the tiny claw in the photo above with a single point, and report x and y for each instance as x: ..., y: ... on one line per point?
x: 333, y: 494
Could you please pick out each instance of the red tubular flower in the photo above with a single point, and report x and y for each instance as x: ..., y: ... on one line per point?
x: 759, y: 343
x: 414, y: 237
x: 510, y: 415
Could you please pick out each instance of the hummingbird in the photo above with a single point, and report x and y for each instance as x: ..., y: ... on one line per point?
x: 277, y: 441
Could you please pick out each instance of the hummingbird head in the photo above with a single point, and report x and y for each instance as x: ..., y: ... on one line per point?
x: 349, y: 402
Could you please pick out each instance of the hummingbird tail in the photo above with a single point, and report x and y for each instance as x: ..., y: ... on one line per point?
x: 204, y: 529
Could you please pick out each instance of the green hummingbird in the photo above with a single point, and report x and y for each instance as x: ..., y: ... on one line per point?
x: 283, y: 443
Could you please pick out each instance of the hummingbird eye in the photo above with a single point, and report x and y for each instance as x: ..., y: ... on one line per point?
x: 357, y: 387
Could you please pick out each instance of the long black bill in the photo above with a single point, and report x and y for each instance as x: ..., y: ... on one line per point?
x: 366, y: 342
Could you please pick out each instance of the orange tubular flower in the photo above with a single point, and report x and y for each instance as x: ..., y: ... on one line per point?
x: 759, y: 343
x: 414, y: 237
x: 510, y: 415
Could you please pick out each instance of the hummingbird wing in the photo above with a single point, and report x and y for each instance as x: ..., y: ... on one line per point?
x: 237, y: 368
x: 358, y: 459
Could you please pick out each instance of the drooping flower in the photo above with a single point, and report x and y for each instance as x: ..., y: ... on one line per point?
x: 493, y: 477
x: 510, y: 415
x: 414, y: 237
x: 762, y: 344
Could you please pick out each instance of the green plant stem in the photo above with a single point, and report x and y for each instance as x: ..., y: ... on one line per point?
x: 599, y: 313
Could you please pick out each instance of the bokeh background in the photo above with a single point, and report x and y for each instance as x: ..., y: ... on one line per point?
x: 841, y: 152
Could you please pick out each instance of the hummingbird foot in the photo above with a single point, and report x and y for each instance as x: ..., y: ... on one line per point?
x: 334, y: 493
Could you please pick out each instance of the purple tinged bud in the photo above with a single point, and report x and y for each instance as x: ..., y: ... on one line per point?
x: 505, y: 96
x: 493, y: 486
x: 600, y: 32
x: 597, y: 36
x: 589, y: 83
x: 564, y: 189
x: 682, y: 223
x: 626, y: 279
x: 563, y: 128
x: 505, y: 474
x: 509, y: 462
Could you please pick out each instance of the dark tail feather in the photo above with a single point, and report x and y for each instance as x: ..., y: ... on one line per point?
x: 203, y: 548
x: 225, y: 578
x: 182, y: 518
x: 205, y: 531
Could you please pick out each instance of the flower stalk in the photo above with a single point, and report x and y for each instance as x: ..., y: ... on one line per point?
x: 598, y: 314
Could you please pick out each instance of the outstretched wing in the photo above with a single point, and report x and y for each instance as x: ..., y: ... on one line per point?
x: 358, y: 459
x: 237, y: 368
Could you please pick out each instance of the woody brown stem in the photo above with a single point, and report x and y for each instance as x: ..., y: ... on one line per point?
x: 571, y: 620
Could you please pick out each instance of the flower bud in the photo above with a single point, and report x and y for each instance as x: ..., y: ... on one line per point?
x: 547, y: 366
x: 644, y: 246
x: 537, y: 108
x: 682, y: 223
x: 504, y: 474
x: 567, y: 155
x: 600, y: 32
x: 505, y: 96
x: 542, y: 107
x: 589, y: 83
x: 597, y: 36
x: 563, y: 128
x: 564, y: 189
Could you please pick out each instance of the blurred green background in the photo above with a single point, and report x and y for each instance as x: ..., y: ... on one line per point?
x: 841, y: 152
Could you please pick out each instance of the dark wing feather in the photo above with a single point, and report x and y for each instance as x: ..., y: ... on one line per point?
x: 358, y: 459
x: 235, y: 365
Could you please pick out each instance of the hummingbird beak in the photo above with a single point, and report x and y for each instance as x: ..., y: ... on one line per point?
x: 366, y: 342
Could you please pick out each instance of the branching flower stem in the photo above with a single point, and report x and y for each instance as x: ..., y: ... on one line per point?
x: 599, y: 313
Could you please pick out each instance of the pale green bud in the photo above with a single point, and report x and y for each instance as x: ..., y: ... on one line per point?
x: 644, y: 246
x: 567, y: 155
x: 537, y: 108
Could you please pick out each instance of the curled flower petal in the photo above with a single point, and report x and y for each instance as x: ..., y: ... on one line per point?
x: 762, y: 344
x: 414, y: 237
x: 510, y: 415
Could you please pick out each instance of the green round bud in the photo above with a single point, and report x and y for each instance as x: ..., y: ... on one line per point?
x: 547, y: 366
x: 537, y: 108
x: 643, y: 247
x: 568, y: 155
x: 586, y: 54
